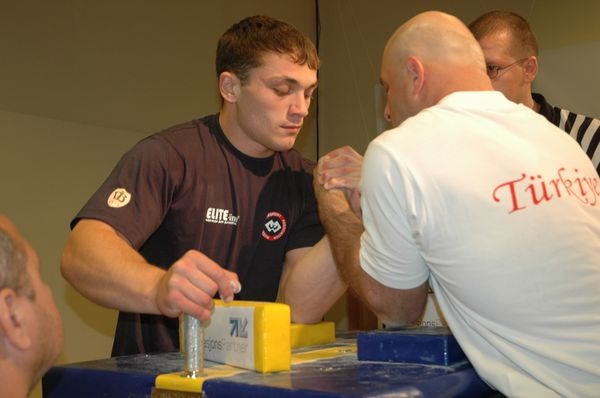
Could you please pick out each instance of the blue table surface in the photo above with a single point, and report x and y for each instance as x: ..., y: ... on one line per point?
x: 343, y: 376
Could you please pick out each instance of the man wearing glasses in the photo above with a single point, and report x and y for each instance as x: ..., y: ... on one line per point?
x: 510, y: 49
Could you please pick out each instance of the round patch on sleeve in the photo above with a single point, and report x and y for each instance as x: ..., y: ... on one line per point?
x: 119, y: 198
x: 275, y: 226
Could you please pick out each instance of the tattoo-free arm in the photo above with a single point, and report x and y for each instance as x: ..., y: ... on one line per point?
x: 101, y: 265
x: 343, y: 227
x: 310, y: 283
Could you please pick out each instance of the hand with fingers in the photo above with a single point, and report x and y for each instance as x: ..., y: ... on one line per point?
x: 190, y: 285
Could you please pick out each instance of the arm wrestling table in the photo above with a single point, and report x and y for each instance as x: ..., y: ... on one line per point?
x: 332, y: 370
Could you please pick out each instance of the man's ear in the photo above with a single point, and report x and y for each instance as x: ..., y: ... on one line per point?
x: 12, y: 319
x: 229, y: 86
x: 530, y: 68
x: 416, y: 74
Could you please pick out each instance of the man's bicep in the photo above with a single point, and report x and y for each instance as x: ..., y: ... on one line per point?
x: 292, y: 257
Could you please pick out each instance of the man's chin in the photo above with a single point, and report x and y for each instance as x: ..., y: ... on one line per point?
x: 283, y: 146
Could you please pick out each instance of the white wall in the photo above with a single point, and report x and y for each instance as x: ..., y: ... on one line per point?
x: 569, y: 77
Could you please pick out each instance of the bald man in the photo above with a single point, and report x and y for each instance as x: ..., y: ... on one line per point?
x: 486, y: 202
x: 31, y: 334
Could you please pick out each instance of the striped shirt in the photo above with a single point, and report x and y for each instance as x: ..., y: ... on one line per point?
x: 585, y: 129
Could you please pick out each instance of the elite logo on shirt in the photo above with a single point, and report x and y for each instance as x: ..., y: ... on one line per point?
x: 118, y: 198
x: 275, y: 226
x: 220, y: 216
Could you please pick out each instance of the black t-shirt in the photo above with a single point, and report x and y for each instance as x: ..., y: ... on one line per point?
x: 188, y: 188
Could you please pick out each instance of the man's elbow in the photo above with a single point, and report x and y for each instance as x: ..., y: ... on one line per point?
x: 67, y: 261
x: 400, y: 308
x: 71, y: 260
x: 394, y: 318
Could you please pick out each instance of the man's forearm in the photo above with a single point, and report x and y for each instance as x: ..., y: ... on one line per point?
x: 311, y: 285
x: 344, y: 228
x: 102, y: 267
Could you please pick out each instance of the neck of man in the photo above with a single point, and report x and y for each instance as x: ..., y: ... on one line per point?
x: 531, y: 103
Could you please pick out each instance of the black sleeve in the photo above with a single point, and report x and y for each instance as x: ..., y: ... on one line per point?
x: 307, y: 230
x: 137, y: 194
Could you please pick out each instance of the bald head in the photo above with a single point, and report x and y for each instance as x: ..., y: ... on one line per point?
x: 436, y: 36
x: 430, y: 56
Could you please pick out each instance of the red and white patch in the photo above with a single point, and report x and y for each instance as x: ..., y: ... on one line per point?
x: 274, y: 227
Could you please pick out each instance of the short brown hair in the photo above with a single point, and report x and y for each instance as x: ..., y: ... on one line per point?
x: 524, y: 40
x: 242, y: 46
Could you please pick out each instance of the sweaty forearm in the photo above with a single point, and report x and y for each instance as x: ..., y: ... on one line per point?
x: 103, y: 267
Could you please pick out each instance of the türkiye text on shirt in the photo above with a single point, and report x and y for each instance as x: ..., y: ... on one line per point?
x: 535, y: 189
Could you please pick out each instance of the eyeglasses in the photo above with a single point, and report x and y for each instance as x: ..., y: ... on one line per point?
x: 493, y: 71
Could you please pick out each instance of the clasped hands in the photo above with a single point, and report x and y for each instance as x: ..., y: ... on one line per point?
x: 339, y: 172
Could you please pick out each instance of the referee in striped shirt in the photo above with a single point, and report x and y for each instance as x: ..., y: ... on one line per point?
x: 510, y: 49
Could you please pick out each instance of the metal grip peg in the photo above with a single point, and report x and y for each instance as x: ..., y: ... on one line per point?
x: 193, y: 346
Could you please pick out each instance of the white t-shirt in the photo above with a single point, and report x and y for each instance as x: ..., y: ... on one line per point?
x: 500, y: 210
